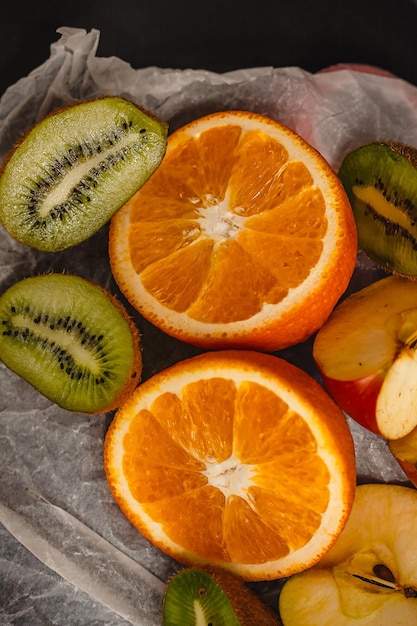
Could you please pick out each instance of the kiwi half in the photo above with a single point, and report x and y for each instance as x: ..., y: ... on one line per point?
x: 213, y: 597
x: 74, y: 169
x: 71, y: 340
x: 380, y: 179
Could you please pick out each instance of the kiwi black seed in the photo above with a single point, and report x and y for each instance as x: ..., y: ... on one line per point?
x: 213, y: 597
x: 71, y: 340
x: 75, y: 168
x: 380, y: 179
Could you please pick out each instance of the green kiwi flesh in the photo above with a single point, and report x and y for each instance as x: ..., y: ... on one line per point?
x: 211, y: 597
x: 66, y: 337
x: 75, y: 168
x: 380, y: 179
x: 194, y: 597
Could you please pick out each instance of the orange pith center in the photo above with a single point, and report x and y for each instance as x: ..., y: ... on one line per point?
x: 234, y: 459
x: 249, y: 224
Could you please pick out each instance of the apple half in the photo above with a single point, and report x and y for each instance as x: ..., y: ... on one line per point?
x: 369, y: 576
x: 366, y: 354
x: 405, y: 452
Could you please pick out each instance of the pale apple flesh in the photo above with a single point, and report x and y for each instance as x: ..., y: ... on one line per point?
x: 366, y: 354
x: 369, y: 576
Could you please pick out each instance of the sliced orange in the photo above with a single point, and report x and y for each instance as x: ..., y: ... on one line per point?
x: 234, y: 458
x: 243, y: 237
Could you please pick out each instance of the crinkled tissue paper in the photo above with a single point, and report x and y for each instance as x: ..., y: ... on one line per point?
x: 68, y: 554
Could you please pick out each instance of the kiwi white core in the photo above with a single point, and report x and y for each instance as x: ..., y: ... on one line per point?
x: 373, y: 197
x: 200, y: 619
x: 81, y: 356
x: 59, y: 194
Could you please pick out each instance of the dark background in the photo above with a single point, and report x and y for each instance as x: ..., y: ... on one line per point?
x: 218, y: 35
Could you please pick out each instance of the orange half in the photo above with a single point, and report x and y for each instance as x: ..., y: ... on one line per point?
x: 234, y: 458
x: 243, y: 237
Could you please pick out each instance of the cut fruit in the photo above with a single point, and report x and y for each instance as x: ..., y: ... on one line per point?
x: 369, y: 577
x: 71, y: 340
x: 213, y: 596
x: 71, y: 172
x: 405, y: 451
x: 381, y: 182
x: 233, y: 458
x: 244, y: 237
x: 366, y: 353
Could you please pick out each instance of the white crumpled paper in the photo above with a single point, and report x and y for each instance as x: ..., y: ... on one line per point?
x: 91, y: 565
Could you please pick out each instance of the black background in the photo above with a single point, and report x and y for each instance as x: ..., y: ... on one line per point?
x: 218, y: 35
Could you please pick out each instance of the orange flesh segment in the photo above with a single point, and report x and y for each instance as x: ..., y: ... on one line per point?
x: 265, y: 465
x: 273, y: 223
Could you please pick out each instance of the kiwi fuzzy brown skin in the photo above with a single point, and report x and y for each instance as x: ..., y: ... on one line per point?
x: 224, y: 599
x: 380, y: 179
x: 70, y: 172
x: 71, y: 340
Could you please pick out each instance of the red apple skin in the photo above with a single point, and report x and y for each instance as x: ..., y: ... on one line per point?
x: 404, y: 452
x: 357, y: 397
x: 365, y: 355
x: 409, y: 469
